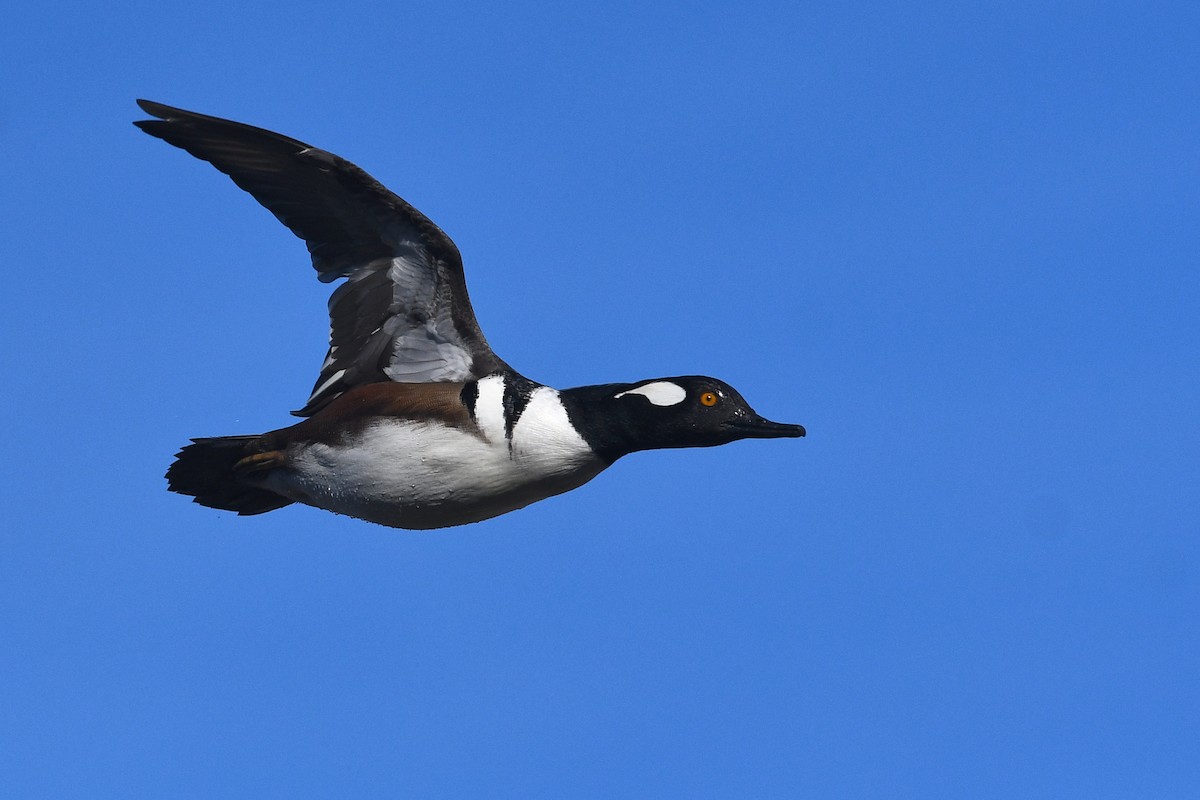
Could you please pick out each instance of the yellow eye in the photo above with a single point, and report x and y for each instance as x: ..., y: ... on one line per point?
x: 708, y: 399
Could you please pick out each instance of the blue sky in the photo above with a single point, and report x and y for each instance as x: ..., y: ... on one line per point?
x: 959, y: 244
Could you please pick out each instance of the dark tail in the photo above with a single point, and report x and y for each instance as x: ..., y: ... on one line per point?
x: 205, y: 469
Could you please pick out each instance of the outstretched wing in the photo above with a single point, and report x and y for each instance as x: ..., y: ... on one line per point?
x: 403, y: 313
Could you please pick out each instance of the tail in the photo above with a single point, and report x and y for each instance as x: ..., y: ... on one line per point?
x: 209, y: 471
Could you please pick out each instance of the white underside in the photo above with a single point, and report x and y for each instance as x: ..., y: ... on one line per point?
x: 421, y: 475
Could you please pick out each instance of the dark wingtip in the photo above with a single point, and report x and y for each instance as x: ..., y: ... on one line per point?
x: 153, y: 109
x: 164, y: 114
x: 161, y: 110
x: 170, y: 117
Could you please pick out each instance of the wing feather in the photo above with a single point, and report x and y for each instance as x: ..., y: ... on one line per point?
x: 403, y: 313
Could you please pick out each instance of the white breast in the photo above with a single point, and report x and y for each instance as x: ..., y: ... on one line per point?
x: 428, y: 475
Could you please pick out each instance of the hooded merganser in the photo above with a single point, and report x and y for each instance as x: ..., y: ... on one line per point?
x: 414, y: 422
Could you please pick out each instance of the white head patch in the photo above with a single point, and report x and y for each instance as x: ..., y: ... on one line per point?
x: 661, y: 393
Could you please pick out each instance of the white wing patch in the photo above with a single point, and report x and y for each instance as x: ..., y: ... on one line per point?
x: 660, y: 393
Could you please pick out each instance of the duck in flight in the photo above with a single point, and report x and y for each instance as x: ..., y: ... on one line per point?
x: 414, y: 422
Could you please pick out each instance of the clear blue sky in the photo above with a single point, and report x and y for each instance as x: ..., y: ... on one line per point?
x: 960, y: 245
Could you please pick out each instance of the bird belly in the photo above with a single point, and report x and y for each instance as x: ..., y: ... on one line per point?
x: 426, y: 475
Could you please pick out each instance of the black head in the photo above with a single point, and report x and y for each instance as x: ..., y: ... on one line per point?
x: 687, y: 411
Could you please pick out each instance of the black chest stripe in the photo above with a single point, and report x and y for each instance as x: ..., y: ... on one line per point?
x: 517, y: 392
x: 469, y: 396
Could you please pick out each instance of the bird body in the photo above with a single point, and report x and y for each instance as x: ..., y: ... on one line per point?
x: 413, y: 421
x: 430, y: 470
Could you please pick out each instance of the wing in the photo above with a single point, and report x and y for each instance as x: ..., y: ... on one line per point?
x: 403, y: 313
